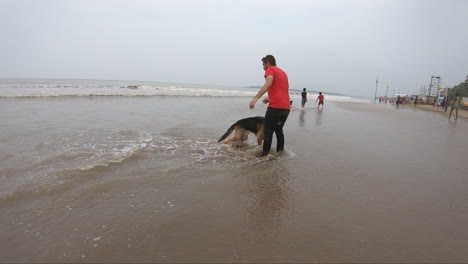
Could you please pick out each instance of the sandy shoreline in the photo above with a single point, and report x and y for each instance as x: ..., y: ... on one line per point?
x: 461, y: 112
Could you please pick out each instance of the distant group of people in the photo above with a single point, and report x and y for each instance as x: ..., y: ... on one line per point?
x: 320, y: 98
x: 400, y: 101
x: 455, y: 103
x: 383, y: 99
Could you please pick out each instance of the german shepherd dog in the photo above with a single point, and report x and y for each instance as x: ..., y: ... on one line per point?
x: 242, y: 129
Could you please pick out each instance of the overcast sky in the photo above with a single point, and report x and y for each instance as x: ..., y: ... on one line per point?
x: 331, y: 46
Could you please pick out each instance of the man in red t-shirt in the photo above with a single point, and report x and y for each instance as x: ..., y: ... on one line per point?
x: 277, y: 86
x: 320, y: 99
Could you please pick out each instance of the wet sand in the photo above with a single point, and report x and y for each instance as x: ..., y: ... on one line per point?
x: 461, y: 113
x: 357, y: 183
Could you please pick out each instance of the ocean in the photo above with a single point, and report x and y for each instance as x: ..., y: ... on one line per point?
x: 126, y: 171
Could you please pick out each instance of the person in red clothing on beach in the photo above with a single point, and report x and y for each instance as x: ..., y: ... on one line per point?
x: 320, y: 98
x: 279, y: 105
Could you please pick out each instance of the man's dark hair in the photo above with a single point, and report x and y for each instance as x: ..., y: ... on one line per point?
x: 269, y: 59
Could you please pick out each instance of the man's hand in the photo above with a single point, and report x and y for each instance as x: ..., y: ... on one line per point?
x: 264, y: 89
x: 252, y: 103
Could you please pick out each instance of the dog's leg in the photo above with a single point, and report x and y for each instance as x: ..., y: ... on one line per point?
x: 259, y: 139
x: 238, y: 133
x: 260, y: 135
x: 230, y: 141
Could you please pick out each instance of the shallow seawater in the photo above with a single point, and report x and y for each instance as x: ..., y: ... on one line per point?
x: 143, y: 179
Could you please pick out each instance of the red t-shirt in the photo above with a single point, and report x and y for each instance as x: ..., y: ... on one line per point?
x: 278, y: 94
x: 320, y: 98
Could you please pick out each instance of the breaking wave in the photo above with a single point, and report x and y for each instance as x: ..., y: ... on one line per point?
x: 83, y: 88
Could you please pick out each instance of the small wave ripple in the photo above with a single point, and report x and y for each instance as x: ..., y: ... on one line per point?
x: 65, y: 160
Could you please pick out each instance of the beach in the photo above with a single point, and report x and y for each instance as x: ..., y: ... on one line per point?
x: 461, y: 112
x: 140, y: 177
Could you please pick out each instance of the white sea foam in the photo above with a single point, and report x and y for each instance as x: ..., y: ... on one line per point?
x: 56, y: 167
x: 20, y: 91
x: 56, y: 88
x: 209, y: 151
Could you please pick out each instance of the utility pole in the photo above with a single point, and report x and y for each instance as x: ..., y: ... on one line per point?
x: 386, y: 94
x: 376, y: 84
x: 447, y: 97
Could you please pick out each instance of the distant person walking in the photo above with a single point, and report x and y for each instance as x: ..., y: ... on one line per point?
x: 277, y: 86
x: 320, y: 99
x: 447, y: 102
x: 416, y: 101
x: 398, y: 102
x: 304, y: 97
x: 457, y: 103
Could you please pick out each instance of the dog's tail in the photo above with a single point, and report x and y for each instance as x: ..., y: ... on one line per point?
x: 228, y: 132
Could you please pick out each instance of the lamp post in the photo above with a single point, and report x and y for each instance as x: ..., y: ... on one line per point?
x: 447, y: 100
x: 376, y: 84
x: 429, y: 91
x: 386, y: 94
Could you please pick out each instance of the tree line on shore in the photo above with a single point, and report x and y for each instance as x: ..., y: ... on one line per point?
x: 461, y: 89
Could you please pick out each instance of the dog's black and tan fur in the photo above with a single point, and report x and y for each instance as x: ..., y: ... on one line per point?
x: 242, y: 129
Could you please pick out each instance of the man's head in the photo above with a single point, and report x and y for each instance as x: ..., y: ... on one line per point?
x: 304, y: 89
x: 320, y: 93
x: 268, y: 61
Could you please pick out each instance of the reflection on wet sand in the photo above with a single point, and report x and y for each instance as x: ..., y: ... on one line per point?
x: 268, y: 200
x: 301, y: 117
x: 318, y: 120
